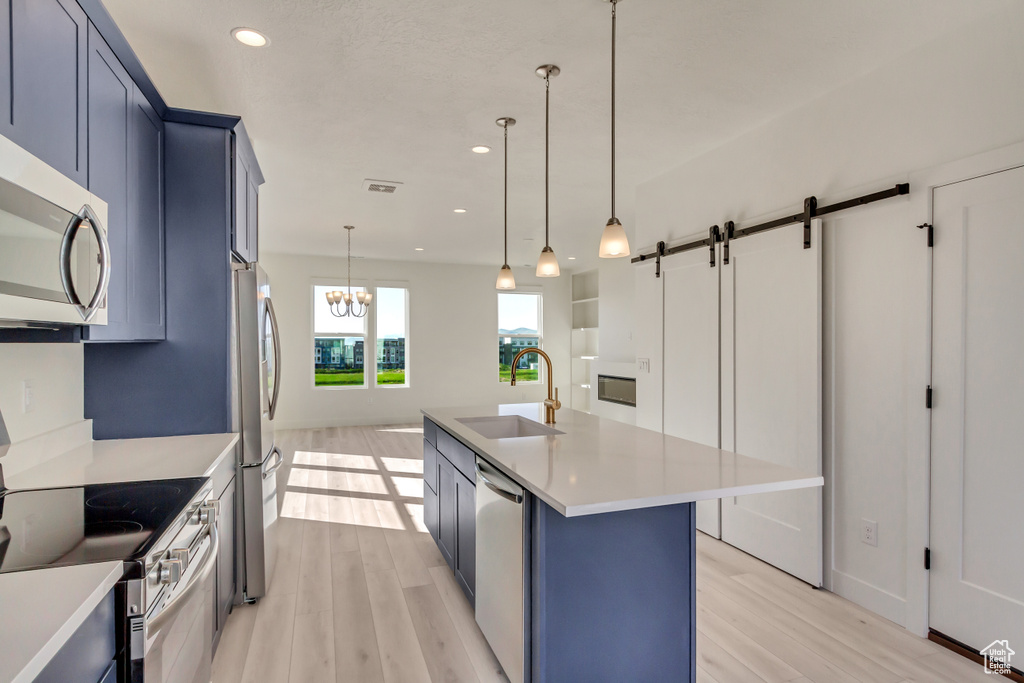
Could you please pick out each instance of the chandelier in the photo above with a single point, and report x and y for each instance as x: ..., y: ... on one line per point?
x: 356, y: 308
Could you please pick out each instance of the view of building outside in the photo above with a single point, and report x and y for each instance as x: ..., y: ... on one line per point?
x: 519, y: 317
x: 391, y: 305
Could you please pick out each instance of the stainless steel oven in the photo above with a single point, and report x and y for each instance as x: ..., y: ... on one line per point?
x: 54, y: 255
x: 169, y: 600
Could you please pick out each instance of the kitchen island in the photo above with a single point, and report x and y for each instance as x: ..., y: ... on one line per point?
x: 608, y: 535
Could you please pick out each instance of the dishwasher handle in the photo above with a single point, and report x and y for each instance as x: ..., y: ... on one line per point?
x: 511, y: 496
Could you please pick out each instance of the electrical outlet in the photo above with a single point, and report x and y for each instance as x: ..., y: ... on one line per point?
x: 643, y: 364
x: 869, y: 532
x: 28, y: 398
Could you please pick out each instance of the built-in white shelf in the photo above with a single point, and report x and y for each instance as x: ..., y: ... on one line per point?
x: 584, y: 347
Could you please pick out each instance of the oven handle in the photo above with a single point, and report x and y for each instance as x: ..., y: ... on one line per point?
x: 169, y: 610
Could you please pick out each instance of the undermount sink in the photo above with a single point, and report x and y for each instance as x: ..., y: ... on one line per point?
x: 506, y: 427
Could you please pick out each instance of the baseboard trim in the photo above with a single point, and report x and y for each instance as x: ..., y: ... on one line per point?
x: 873, y: 598
x: 969, y: 653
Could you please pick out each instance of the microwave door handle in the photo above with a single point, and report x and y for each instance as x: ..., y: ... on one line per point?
x: 87, y: 311
x: 275, y: 333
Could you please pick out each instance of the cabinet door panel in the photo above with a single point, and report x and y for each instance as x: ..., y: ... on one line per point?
x: 48, y: 99
x: 110, y: 95
x: 429, y: 465
x: 146, y: 228
x: 446, y: 494
x: 226, y: 561
x: 430, y: 511
x: 240, y: 211
x: 252, y: 221
x: 465, y: 515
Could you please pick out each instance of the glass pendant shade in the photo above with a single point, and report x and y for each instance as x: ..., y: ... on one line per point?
x: 547, y: 265
x: 614, y: 243
x: 505, y: 278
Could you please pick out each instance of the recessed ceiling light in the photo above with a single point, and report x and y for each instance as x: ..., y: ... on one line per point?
x: 459, y: 210
x: 572, y: 258
x: 250, y: 37
x: 481, y: 149
x: 419, y: 248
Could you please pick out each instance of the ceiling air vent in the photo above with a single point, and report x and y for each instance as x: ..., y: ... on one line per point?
x: 381, y: 186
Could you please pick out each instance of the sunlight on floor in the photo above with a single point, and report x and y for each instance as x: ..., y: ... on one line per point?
x: 408, y: 487
x: 403, y: 430
x: 408, y: 465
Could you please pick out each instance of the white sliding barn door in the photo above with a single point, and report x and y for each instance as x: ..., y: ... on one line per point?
x: 771, y: 391
x: 977, y: 483
x: 691, y: 346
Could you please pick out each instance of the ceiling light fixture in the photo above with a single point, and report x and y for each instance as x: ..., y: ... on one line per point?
x: 481, y: 149
x: 419, y: 248
x: 459, y: 210
x: 572, y: 258
x: 362, y: 299
x: 505, y: 278
x: 547, y: 265
x: 614, y: 243
x: 249, y: 36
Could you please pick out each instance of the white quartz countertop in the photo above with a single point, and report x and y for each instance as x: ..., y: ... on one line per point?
x: 42, y: 609
x: 600, y: 465
x: 69, y: 457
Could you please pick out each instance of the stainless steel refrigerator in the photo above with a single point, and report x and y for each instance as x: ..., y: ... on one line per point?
x: 256, y: 382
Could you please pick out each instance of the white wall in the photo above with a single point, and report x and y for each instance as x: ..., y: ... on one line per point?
x: 953, y: 98
x: 452, y: 347
x: 55, y: 372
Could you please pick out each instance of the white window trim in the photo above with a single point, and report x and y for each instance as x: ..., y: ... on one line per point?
x: 538, y: 291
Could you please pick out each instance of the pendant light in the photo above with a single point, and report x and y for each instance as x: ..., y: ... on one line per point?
x: 505, y: 278
x: 335, y: 299
x: 613, y: 241
x: 547, y: 265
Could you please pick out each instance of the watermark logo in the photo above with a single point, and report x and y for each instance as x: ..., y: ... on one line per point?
x: 997, y: 657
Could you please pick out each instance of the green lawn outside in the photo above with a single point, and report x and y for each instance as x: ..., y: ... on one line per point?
x: 347, y: 378
x: 505, y: 374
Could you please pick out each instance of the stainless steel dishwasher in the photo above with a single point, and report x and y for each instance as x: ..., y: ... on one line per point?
x: 502, y: 609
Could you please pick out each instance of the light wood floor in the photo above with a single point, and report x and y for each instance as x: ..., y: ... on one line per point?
x: 362, y: 595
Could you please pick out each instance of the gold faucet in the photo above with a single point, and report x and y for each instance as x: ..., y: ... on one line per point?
x: 550, y: 404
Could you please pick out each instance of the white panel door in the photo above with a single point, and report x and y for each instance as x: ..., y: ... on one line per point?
x: 691, y: 359
x: 771, y: 392
x: 977, y: 499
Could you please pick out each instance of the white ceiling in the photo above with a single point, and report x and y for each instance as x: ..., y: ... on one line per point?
x: 400, y: 90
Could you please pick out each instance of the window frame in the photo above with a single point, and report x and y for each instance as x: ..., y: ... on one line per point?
x: 524, y: 291
x: 314, y: 335
x: 369, y: 335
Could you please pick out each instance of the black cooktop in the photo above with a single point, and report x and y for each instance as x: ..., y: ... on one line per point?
x: 82, y: 524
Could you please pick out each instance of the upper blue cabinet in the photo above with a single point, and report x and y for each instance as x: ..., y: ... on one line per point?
x: 43, y: 81
x: 66, y: 98
x: 126, y: 170
x: 247, y: 180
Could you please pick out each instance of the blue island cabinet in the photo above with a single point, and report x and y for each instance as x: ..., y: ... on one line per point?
x: 609, y: 597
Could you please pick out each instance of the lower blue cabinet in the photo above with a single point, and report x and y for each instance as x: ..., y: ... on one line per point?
x: 88, y: 654
x: 449, y: 510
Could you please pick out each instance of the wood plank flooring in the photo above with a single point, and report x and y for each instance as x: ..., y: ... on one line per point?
x: 361, y: 594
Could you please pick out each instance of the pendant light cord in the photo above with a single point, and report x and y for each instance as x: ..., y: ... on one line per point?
x: 349, y: 263
x: 505, y: 126
x: 614, y: 2
x: 547, y: 114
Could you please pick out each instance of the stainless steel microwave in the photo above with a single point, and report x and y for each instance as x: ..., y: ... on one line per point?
x: 54, y: 255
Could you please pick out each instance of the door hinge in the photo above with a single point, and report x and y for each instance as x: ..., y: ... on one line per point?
x: 927, y: 558
x: 928, y: 397
x: 931, y: 233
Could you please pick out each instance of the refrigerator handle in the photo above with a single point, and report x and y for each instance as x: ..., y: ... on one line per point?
x: 269, y: 472
x: 275, y: 333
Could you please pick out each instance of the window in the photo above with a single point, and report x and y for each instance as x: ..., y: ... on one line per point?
x: 337, y: 343
x: 519, y: 327
x: 392, y: 310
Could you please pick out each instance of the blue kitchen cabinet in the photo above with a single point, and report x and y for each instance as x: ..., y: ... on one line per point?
x: 449, y: 503
x: 446, y: 533
x: 88, y: 655
x: 126, y: 171
x: 465, y: 535
x: 43, y: 81
x: 245, y: 220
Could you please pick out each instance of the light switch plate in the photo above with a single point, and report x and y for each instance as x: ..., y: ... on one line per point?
x: 28, y: 397
x: 643, y: 364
